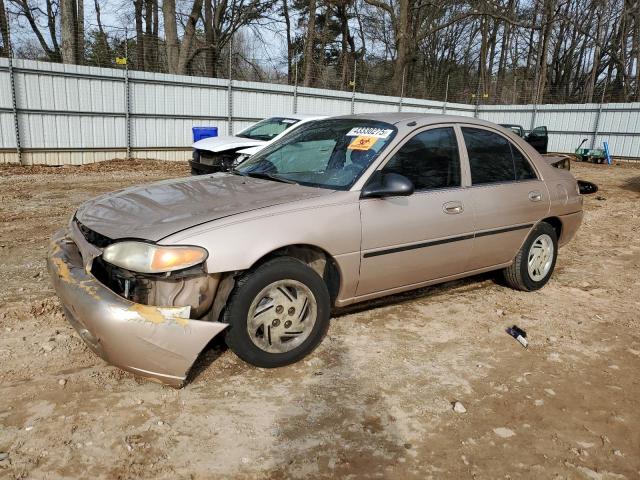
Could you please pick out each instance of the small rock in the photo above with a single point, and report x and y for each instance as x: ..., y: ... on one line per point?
x: 554, y: 357
x: 617, y: 453
x: 538, y: 403
x: 62, y: 382
x: 614, y: 367
x: 407, y: 446
x: 160, y: 422
x: 500, y: 312
x: 28, y: 429
x: 47, y: 347
x: 3, y: 456
x: 140, y: 402
x: 586, y: 444
x: 503, y: 432
x: 317, y: 373
x: 459, y: 407
x: 550, y: 392
x: 552, y: 339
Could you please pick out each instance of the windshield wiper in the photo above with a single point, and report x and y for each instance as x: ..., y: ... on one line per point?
x: 263, y: 175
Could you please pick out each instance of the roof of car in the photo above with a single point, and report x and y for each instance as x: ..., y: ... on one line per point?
x: 299, y: 116
x: 396, y: 118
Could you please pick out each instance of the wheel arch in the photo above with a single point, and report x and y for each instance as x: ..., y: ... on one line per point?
x: 316, y: 258
x: 556, y: 223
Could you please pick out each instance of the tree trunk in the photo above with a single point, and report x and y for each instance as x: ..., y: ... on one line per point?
x: 309, y: 44
x: 209, y: 38
x: 150, y: 41
x: 80, y: 32
x: 402, y: 53
x: 4, y: 31
x: 549, y: 6
x: 287, y: 23
x: 68, y: 31
x: 139, y: 34
x: 172, y: 44
x: 184, y: 56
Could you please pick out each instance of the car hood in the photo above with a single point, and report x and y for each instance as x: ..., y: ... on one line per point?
x: 251, y: 150
x: 220, y: 144
x: 154, y: 211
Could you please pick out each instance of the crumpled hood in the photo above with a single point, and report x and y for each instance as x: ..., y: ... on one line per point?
x: 154, y: 211
x: 220, y: 144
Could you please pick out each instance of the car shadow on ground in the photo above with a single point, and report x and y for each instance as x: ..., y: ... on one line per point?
x: 466, y: 284
x: 631, y: 184
x: 217, y: 346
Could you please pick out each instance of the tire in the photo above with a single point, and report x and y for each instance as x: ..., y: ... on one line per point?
x: 518, y: 275
x: 266, y: 313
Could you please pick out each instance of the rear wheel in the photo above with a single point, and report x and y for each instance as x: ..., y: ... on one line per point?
x: 534, y: 263
x: 277, y: 313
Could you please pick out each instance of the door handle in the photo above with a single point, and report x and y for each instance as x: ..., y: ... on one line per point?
x: 535, y: 196
x: 452, y: 208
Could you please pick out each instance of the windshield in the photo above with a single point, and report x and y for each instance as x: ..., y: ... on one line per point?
x: 268, y: 128
x: 326, y: 153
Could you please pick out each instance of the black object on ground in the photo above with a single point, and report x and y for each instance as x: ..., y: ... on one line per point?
x: 519, y: 334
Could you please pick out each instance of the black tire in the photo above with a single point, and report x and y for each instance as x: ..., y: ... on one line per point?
x: 248, y: 286
x: 517, y: 275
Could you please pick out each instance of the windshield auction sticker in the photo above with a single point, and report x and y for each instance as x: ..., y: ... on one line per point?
x: 362, y: 143
x: 369, y: 132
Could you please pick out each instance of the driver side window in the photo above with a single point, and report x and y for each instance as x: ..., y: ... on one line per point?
x: 429, y: 159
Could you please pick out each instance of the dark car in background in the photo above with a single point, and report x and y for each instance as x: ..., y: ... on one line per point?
x: 538, y: 138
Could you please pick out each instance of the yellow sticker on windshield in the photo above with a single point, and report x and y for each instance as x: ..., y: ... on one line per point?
x: 362, y: 143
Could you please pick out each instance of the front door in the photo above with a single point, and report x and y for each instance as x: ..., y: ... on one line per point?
x: 508, y: 197
x: 538, y: 138
x: 427, y: 235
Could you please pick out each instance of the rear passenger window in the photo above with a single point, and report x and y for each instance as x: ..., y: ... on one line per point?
x: 522, y: 166
x: 429, y: 159
x: 493, y: 159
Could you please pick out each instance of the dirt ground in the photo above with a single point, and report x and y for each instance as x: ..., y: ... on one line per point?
x: 373, y: 401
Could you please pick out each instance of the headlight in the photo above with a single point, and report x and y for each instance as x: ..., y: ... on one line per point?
x: 148, y: 258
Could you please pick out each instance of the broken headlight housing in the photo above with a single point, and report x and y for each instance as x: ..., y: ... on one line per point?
x: 150, y: 258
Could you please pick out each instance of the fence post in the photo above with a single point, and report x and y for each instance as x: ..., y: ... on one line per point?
x: 230, y: 93
x: 446, y: 97
x: 353, y: 88
x: 596, y: 127
x: 14, y: 102
x: 404, y: 70
x: 127, y: 98
x: 533, y: 117
x: 477, y: 105
x: 295, y: 91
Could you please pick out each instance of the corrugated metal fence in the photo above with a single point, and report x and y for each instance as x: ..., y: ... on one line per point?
x: 69, y: 114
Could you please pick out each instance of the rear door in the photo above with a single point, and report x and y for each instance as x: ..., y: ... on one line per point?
x: 507, y: 195
x: 427, y: 235
x: 538, y: 138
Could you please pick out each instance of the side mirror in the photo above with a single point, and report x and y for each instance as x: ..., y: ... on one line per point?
x: 387, y: 185
x: 586, y: 188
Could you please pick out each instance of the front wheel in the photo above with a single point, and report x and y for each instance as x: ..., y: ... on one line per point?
x: 534, y: 263
x: 277, y: 313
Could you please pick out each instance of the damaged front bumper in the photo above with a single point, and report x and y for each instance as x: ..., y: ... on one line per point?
x: 160, y: 343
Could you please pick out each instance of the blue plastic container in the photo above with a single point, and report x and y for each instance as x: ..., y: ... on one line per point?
x: 204, y: 132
